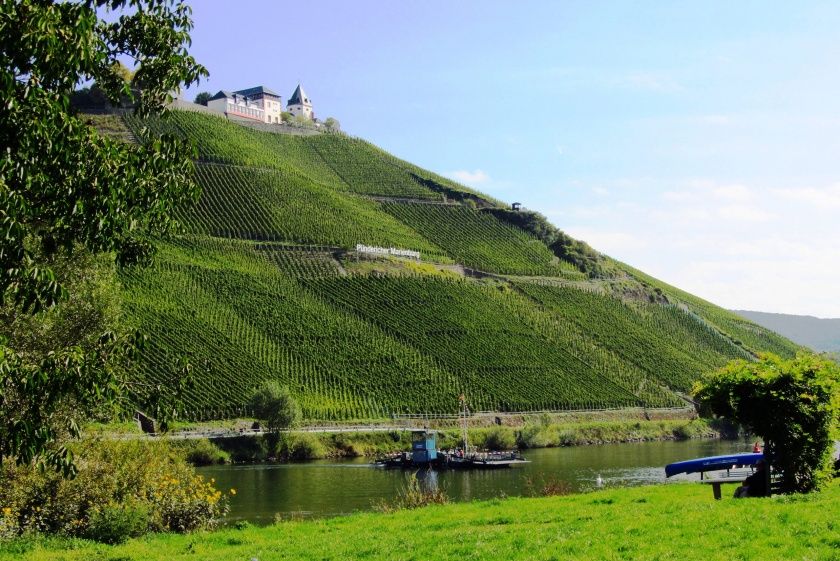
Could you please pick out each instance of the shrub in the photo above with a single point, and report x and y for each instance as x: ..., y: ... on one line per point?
x: 499, y: 438
x: 793, y: 405
x: 547, y: 487
x: 123, y: 488
x: 532, y: 436
x: 303, y: 446
x: 116, y: 523
x: 201, y: 452
x: 414, y: 494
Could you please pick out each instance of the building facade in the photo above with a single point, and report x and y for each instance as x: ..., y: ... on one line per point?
x: 258, y: 103
x: 300, y: 105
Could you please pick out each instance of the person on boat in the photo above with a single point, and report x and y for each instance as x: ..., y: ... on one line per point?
x: 756, y: 448
x: 756, y: 484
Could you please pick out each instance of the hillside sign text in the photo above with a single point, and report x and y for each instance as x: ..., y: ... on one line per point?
x: 361, y: 248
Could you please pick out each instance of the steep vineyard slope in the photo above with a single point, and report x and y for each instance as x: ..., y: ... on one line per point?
x: 267, y: 282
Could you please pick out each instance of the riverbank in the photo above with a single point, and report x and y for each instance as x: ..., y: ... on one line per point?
x: 540, y: 433
x: 656, y: 522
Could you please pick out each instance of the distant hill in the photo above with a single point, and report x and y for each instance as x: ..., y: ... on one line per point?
x: 293, y: 267
x: 818, y: 333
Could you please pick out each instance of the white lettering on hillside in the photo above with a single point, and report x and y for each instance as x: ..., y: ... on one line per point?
x: 361, y: 248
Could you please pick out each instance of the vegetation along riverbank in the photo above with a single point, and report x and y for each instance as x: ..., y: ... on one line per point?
x: 660, y: 522
x: 536, y: 433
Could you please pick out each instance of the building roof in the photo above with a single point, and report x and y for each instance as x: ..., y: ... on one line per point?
x: 299, y: 97
x: 222, y: 95
x: 257, y: 90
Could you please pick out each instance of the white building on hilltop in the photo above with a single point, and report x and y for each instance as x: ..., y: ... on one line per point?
x: 258, y: 103
x: 300, y: 104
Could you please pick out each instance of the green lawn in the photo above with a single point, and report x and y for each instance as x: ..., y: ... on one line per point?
x: 680, y: 522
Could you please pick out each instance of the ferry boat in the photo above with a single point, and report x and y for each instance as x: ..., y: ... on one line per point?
x: 424, y: 454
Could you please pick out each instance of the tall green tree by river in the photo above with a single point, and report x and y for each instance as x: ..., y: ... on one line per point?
x: 66, y: 190
x: 794, y: 405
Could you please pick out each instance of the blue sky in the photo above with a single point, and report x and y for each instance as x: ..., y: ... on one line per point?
x: 697, y: 141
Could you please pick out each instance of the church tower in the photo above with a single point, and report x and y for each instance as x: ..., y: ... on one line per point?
x: 300, y: 104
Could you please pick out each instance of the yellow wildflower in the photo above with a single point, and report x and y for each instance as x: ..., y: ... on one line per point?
x: 233, y: 491
x: 7, y: 511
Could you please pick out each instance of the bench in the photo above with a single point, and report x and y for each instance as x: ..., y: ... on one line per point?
x: 716, y: 482
x: 732, y: 476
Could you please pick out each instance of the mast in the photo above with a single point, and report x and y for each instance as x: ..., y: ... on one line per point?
x: 464, y: 423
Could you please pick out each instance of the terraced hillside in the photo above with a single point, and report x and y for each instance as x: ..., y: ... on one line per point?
x: 267, y: 283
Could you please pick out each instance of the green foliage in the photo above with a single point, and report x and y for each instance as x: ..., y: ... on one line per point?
x: 275, y: 407
x: 332, y: 124
x: 65, y: 188
x: 647, y: 522
x: 202, y: 98
x: 200, y: 452
x: 302, y: 446
x: 267, y: 205
x: 116, y: 523
x: 794, y: 405
x: 123, y: 488
x: 671, y: 346
x: 266, y: 289
x: 746, y: 334
x: 335, y: 161
x: 480, y: 241
x: 415, y: 493
x: 497, y: 438
x: 561, y: 244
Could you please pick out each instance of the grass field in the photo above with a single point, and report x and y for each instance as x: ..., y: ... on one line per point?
x: 679, y: 522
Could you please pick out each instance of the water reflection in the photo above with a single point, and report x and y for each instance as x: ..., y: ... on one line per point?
x: 325, y: 488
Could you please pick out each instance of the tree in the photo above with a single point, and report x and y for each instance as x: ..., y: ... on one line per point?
x: 794, y: 405
x: 202, y: 98
x: 66, y: 190
x: 275, y: 407
x: 332, y: 124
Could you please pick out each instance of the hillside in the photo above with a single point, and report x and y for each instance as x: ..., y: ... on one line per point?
x: 820, y: 334
x: 266, y: 283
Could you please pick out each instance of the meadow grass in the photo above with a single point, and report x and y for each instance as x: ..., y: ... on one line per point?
x: 680, y: 521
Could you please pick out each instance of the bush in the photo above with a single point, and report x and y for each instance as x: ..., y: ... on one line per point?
x: 123, y: 488
x: 532, y: 436
x: 414, y: 494
x: 201, y: 452
x: 793, y: 405
x: 499, y: 438
x: 303, y: 446
x: 116, y: 523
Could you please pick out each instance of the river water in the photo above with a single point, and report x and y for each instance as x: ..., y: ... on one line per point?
x: 334, y: 487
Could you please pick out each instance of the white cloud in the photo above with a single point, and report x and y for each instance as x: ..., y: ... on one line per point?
x: 745, y: 213
x: 824, y: 198
x: 609, y: 242
x: 601, y: 191
x: 475, y: 177
x: 737, y: 245
x: 733, y: 192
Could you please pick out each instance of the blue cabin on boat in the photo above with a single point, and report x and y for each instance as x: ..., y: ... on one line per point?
x: 423, y: 447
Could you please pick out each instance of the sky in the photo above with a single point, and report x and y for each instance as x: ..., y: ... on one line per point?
x: 696, y: 141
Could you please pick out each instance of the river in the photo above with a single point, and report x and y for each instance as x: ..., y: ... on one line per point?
x: 334, y: 487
